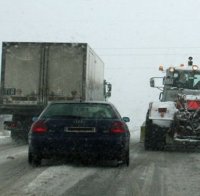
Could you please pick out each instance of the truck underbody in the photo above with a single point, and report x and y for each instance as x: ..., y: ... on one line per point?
x: 21, y: 119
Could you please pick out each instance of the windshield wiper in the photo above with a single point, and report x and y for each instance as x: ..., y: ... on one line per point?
x: 63, y: 116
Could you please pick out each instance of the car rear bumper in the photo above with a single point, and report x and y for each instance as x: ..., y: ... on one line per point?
x: 108, y: 147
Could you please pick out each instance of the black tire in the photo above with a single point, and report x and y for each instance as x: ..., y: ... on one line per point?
x: 154, y: 137
x: 34, y: 159
x: 123, y: 158
x: 148, y: 139
x: 19, y: 137
x: 147, y: 135
x: 159, y: 136
x: 13, y: 136
x: 127, y: 158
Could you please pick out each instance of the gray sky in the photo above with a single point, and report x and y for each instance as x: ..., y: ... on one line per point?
x: 132, y: 37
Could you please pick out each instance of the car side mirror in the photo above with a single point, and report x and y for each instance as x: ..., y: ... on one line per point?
x: 34, y: 118
x: 126, y: 119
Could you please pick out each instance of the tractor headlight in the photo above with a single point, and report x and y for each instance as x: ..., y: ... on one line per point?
x: 161, y: 68
x: 195, y: 67
x: 172, y: 69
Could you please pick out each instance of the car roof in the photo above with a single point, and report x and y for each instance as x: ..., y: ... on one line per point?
x: 81, y: 102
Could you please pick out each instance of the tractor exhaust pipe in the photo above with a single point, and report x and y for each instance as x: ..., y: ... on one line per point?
x: 190, y: 62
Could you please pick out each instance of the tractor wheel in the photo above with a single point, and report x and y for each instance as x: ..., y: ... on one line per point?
x: 154, y: 137
x: 148, y: 139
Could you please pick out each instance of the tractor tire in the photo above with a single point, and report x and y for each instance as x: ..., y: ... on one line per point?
x: 154, y: 137
x: 148, y: 139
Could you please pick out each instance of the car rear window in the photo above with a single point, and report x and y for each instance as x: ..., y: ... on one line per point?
x: 81, y: 110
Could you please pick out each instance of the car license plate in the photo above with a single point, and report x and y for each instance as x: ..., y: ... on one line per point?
x: 80, y: 129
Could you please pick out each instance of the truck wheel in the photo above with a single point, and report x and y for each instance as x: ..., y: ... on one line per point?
x: 13, y: 136
x: 19, y: 137
x: 34, y: 159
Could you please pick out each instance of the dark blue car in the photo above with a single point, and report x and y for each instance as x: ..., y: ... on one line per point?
x: 79, y: 128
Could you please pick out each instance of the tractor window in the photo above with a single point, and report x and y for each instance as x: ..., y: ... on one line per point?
x: 196, y: 81
x: 181, y: 79
x: 187, y: 79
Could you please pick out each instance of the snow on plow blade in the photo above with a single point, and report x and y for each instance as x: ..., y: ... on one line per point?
x: 187, y: 139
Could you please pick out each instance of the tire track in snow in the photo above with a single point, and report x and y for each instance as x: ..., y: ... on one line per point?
x: 56, y: 180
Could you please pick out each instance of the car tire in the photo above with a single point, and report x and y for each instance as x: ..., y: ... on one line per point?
x: 127, y: 158
x: 123, y: 158
x: 34, y: 159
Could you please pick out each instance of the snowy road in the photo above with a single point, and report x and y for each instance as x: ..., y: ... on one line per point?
x: 150, y: 173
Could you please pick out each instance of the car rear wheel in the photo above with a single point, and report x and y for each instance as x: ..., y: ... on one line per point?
x: 124, y: 158
x: 127, y: 158
x: 34, y: 159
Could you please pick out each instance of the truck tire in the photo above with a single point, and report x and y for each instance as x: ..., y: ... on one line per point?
x: 14, y: 136
x: 19, y: 136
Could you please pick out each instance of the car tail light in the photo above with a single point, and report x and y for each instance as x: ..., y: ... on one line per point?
x: 39, y: 127
x: 118, y: 127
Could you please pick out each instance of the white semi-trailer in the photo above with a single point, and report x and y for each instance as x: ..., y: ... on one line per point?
x: 34, y: 74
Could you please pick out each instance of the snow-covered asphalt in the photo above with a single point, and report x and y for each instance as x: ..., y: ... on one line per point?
x: 170, y: 173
